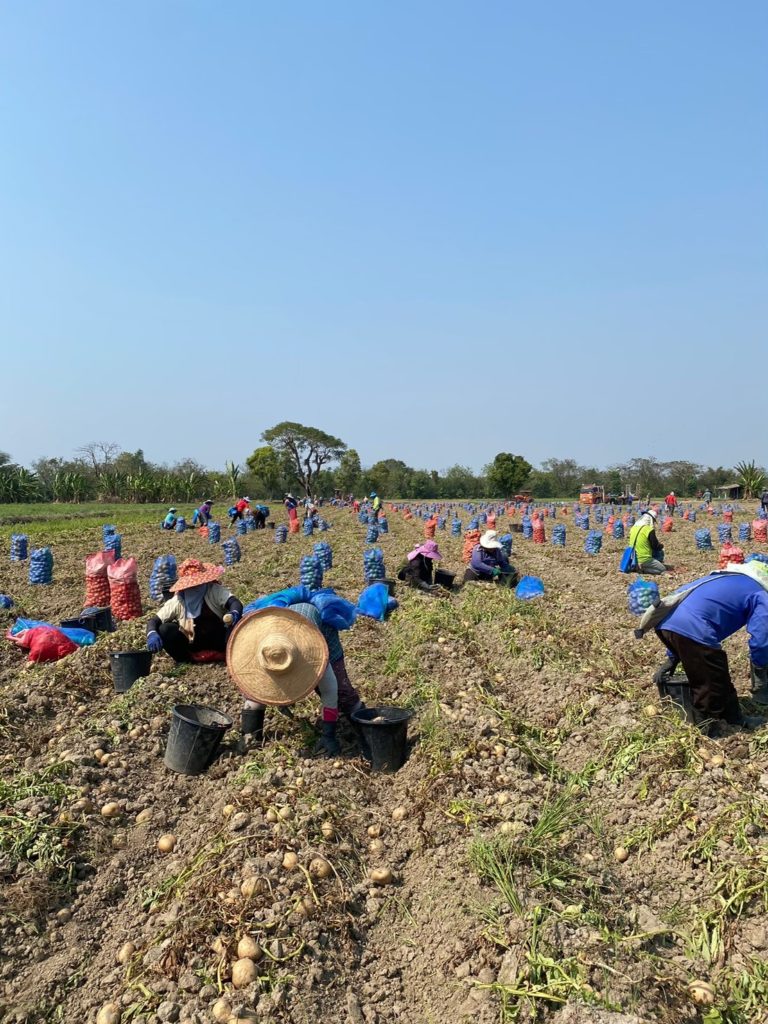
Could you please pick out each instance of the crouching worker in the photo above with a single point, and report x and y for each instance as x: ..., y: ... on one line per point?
x: 169, y: 523
x: 278, y: 656
x: 707, y: 611
x: 419, y: 568
x: 197, y: 618
x: 644, y: 542
x: 489, y: 564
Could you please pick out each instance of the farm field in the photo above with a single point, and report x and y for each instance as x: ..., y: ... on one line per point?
x: 562, y: 848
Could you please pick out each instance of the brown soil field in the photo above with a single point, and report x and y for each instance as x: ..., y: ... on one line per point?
x: 562, y: 847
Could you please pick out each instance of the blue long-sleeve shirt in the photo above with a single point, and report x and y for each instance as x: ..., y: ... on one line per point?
x: 485, y: 560
x: 720, y: 607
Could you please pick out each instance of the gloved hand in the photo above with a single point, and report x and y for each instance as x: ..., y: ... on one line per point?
x: 495, y: 572
x: 154, y: 641
x: 235, y: 616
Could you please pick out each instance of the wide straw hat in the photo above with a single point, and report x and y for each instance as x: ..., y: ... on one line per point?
x: 193, y: 573
x: 276, y: 656
x: 489, y: 540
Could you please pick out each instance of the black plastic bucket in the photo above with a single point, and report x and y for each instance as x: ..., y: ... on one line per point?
x: 193, y: 741
x: 97, y: 620
x: 445, y: 578
x: 271, y: 524
x: 677, y: 689
x: 128, y: 666
x: 385, y: 730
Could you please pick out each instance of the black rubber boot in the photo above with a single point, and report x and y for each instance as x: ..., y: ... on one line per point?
x: 759, y: 677
x: 252, y: 723
x: 328, y: 742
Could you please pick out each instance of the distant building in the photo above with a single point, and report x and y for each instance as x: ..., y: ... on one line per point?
x: 729, y: 492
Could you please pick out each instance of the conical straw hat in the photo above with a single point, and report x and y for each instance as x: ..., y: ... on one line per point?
x: 276, y: 656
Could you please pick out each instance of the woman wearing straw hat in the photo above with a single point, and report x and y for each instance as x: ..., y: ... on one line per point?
x: 278, y: 656
x: 419, y: 568
x: 193, y: 619
x: 489, y: 564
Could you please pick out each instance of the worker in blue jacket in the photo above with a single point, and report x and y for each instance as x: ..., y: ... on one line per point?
x: 716, y: 608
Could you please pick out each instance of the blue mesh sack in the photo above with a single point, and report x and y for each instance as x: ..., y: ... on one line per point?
x: 373, y: 564
x: 19, y: 543
x: 506, y: 544
x: 724, y: 532
x: 232, y: 511
x: 231, y: 551
x: 527, y: 527
x: 455, y: 527
x: 324, y: 554
x: 362, y: 517
x: 383, y: 524
x: 473, y: 523
x: 181, y: 524
x: 323, y: 525
x: 758, y: 556
x: 372, y: 535
x: 558, y: 535
x: 308, y: 527
x: 5, y: 601
x: 311, y: 572
x: 598, y: 514
x: 483, y: 518
x: 164, y: 574
x: 703, y: 539
x: 618, y: 530
x: 242, y: 527
x: 692, y: 516
x: 593, y: 542
x: 641, y: 594
x: 745, y: 531
x: 114, y: 542
x: 107, y: 530
x: 41, y: 566
x: 281, y: 534
x: 214, y: 532
x: 529, y: 587
x: 441, y: 522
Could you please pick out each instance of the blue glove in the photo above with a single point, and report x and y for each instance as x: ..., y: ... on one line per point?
x: 154, y: 641
x: 235, y: 617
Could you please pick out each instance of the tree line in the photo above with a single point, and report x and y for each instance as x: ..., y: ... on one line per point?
x: 308, y: 461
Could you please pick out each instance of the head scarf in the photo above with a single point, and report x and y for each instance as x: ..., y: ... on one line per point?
x: 192, y: 598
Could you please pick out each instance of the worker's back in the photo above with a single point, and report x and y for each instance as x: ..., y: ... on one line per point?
x: 719, y: 607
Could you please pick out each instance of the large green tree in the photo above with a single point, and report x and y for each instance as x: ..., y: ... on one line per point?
x: 266, y: 470
x: 349, y: 472
x: 507, y: 474
x: 308, y: 450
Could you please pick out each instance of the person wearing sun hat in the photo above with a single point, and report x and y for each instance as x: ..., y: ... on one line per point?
x: 277, y: 657
x: 239, y: 509
x: 716, y: 607
x: 193, y: 619
x: 418, y: 570
x: 489, y: 563
x: 170, y: 520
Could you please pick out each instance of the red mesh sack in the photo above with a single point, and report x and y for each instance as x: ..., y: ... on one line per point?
x: 471, y: 537
x: 539, y: 536
x: 96, y: 580
x: 124, y: 593
x: 429, y: 529
x: 491, y: 524
x: 730, y: 553
x: 44, y: 643
x: 760, y: 530
x: 727, y: 517
x: 293, y: 525
x: 667, y: 526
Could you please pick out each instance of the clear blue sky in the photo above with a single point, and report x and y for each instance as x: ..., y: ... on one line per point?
x: 438, y: 230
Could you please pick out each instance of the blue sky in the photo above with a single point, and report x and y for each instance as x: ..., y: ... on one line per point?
x: 437, y: 230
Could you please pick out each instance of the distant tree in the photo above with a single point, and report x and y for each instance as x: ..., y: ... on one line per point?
x: 459, y: 482
x: 391, y: 477
x: 308, y: 449
x: 682, y: 476
x: 233, y: 474
x: 265, y: 465
x: 507, y: 474
x: 99, y: 454
x: 348, y: 473
x: 565, y: 477
x: 751, y: 477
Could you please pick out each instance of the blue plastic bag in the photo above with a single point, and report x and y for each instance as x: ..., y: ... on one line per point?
x: 529, y: 587
x: 334, y: 610
x: 5, y: 601
x: 280, y: 599
x: 375, y: 602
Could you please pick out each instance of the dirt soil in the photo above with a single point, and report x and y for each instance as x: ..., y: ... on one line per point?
x: 558, y: 846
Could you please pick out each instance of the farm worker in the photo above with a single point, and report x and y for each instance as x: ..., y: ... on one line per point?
x: 707, y: 496
x: 648, y: 551
x: 193, y: 619
x: 375, y: 503
x: 764, y: 501
x: 201, y: 516
x: 355, y: 505
x: 418, y: 570
x: 291, y: 505
x: 277, y: 657
x: 240, y: 508
x: 260, y: 513
x: 671, y: 502
x: 170, y: 520
x: 489, y: 563
x: 717, y: 606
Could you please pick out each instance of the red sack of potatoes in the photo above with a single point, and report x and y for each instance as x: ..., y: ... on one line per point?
x: 730, y: 553
x: 124, y: 593
x: 667, y: 526
x: 44, y: 643
x: 539, y: 535
x: 96, y: 580
x: 760, y: 530
x: 471, y: 537
x: 293, y: 526
x: 429, y: 528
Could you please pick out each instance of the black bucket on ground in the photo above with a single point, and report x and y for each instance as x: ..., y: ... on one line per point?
x: 97, y: 620
x: 677, y: 689
x: 128, y: 666
x: 385, y: 730
x: 194, y: 738
x: 271, y: 524
x: 445, y: 578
